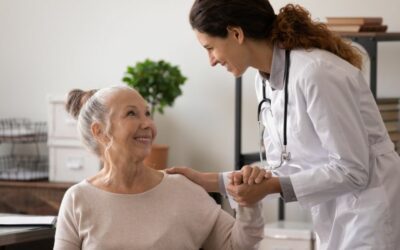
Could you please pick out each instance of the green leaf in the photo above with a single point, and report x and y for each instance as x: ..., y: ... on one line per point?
x: 158, y: 82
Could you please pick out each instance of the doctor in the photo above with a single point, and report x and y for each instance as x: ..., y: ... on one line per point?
x: 321, y: 128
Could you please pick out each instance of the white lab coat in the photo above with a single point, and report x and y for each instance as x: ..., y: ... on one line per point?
x: 343, y: 167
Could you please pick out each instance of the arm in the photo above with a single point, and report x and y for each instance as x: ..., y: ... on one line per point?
x: 243, y: 233
x: 333, y: 97
x: 209, y: 181
x: 213, y: 181
x: 66, y: 237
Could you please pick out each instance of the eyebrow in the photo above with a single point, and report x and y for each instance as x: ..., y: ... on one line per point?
x: 135, y: 107
x: 132, y: 106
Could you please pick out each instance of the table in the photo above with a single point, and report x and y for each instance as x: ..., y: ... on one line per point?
x: 18, y: 238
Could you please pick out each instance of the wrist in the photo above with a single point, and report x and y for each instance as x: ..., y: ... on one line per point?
x: 210, y: 182
x: 273, y: 185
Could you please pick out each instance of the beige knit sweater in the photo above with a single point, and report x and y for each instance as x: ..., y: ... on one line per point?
x: 175, y: 215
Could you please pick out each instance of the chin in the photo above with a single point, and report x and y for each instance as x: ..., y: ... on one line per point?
x: 237, y: 73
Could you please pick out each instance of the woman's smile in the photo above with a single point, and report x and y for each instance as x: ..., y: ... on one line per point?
x: 144, y: 139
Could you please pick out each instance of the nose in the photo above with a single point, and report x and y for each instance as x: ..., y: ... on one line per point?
x: 146, y: 122
x: 213, y: 60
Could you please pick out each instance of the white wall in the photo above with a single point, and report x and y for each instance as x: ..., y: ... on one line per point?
x: 52, y: 46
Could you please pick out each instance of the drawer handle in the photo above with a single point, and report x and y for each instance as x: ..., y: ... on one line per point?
x: 74, y: 163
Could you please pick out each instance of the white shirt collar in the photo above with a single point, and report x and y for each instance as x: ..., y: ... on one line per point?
x: 277, y: 69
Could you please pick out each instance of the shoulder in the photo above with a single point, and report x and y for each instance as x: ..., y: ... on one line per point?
x: 76, y: 192
x: 184, y: 189
x: 314, y: 62
x: 181, y: 181
x: 317, y: 68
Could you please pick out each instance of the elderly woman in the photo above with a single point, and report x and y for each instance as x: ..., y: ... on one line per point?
x: 129, y: 206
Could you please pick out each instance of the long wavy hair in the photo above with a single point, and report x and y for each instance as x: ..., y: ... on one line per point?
x: 291, y: 28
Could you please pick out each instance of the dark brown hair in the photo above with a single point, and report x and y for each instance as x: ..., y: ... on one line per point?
x: 76, y: 99
x: 292, y: 28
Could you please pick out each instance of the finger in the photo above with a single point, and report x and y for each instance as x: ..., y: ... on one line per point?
x: 230, y: 178
x: 246, y: 171
x: 232, y: 190
x: 268, y: 175
x: 237, y: 178
x: 254, y: 174
x: 177, y: 170
x: 244, y: 204
x: 261, y: 176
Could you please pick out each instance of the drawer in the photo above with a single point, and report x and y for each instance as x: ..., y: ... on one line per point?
x: 61, y: 124
x: 71, y: 164
x: 285, y: 244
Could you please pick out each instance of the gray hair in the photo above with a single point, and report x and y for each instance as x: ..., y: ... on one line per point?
x: 89, y: 107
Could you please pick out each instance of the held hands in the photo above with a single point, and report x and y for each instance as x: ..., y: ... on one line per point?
x: 251, y: 184
x: 249, y: 175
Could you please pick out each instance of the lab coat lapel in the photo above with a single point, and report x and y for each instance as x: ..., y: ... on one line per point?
x: 277, y: 68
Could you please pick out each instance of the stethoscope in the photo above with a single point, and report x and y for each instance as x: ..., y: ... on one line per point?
x: 285, y: 155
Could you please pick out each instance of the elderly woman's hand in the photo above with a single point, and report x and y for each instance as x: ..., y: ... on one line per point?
x: 249, y: 175
x: 246, y: 195
x: 209, y: 181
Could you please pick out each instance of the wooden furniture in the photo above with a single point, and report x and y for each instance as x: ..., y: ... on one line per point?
x: 19, y: 238
x: 370, y: 40
x: 41, y: 198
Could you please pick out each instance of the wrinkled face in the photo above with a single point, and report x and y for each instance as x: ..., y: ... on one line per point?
x: 228, y: 52
x: 132, y: 127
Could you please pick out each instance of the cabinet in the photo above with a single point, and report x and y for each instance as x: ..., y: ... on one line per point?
x: 69, y: 160
x: 368, y: 40
x: 42, y: 198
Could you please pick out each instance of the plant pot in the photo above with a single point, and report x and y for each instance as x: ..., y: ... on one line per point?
x: 158, y: 157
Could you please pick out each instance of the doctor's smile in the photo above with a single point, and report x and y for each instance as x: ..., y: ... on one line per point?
x: 306, y: 73
x: 320, y: 137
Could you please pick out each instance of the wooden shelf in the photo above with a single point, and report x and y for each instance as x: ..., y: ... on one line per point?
x: 42, y: 198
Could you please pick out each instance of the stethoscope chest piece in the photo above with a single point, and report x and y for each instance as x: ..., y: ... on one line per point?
x: 286, y: 156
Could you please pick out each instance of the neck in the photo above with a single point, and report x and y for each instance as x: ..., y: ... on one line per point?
x: 126, y: 176
x: 261, y: 54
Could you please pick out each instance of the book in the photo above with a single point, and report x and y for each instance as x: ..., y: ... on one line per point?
x: 354, y: 20
x: 395, y: 136
x: 388, y: 106
x: 27, y: 220
x: 392, y: 126
x: 390, y: 115
x: 357, y: 27
x: 387, y: 101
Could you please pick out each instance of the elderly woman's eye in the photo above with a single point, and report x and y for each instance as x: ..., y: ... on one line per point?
x: 131, y: 113
x: 148, y: 113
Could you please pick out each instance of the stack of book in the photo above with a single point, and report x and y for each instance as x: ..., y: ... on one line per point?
x: 389, y: 108
x: 356, y: 24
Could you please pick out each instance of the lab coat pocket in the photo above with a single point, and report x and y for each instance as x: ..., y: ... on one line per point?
x: 373, y: 218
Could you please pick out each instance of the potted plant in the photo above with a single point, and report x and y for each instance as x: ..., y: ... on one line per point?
x: 159, y: 83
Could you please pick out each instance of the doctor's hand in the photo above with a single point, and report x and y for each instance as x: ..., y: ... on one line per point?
x: 249, y: 175
x: 209, y: 181
x: 247, y: 195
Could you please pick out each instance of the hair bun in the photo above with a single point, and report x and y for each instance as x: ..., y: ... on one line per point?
x: 76, y: 99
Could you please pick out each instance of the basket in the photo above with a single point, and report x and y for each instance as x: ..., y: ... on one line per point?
x: 24, y: 167
x: 18, y: 166
x: 20, y: 130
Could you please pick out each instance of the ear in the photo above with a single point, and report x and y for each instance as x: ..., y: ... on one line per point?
x: 97, y: 132
x: 237, y: 33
